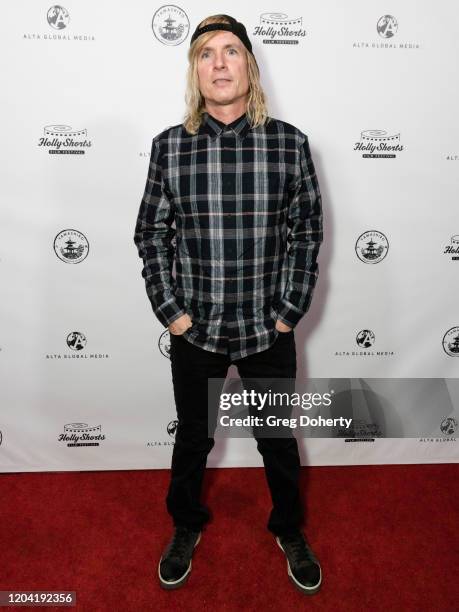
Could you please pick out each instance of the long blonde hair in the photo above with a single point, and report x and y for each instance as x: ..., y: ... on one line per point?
x: 257, y: 112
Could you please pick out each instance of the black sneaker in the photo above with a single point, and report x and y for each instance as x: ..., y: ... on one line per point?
x: 302, y: 565
x: 175, y: 564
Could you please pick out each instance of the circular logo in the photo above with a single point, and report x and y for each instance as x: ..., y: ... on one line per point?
x: 365, y: 338
x: 58, y: 17
x: 448, y: 426
x: 172, y: 428
x: 170, y: 25
x: 76, y: 341
x: 164, y: 344
x: 371, y: 247
x: 387, y: 26
x: 71, y: 246
x: 451, y: 342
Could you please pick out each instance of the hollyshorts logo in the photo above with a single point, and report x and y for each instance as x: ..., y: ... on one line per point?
x: 451, y: 342
x: 76, y: 342
x: 71, y: 246
x: 170, y: 25
x: 387, y: 31
x: 364, y: 339
x: 164, y: 344
x: 63, y: 140
x: 453, y: 248
x: 58, y: 18
x: 371, y: 247
x: 377, y: 144
x: 171, y: 430
x: 279, y: 29
x: 81, y: 434
x: 361, y: 431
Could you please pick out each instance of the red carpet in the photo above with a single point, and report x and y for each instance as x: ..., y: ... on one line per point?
x: 386, y: 537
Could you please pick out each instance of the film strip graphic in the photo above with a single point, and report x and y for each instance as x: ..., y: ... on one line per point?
x: 81, y: 428
x: 63, y: 130
x: 379, y: 136
x: 279, y: 19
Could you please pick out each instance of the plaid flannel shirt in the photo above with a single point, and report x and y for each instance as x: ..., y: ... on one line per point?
x: 248, y: 226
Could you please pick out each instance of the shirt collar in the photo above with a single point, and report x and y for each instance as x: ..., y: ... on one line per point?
x: 214, y: 127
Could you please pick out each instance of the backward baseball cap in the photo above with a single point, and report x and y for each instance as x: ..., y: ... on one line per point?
x: 236, y: 27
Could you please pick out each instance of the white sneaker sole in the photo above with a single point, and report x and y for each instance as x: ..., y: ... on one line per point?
x: 301, y: 587
x: 174, y: 584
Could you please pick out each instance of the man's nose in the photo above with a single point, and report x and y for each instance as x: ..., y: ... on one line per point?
x: 220, y: 60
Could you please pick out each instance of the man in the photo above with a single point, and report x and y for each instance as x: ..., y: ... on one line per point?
x: 235, y: 181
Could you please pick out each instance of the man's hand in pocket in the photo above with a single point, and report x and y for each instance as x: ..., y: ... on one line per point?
x: 282, y: 327
x: 180, y: 325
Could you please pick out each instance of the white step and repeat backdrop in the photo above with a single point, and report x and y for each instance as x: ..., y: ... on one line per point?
x: 86, y: 381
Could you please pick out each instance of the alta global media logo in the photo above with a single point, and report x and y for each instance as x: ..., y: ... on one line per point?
x: 59, y: 27
x: 76, y: 342
x: 386, y: 36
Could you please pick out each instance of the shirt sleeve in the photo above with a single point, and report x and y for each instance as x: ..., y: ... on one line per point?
x: 306, y: 234
x: 153, y: 238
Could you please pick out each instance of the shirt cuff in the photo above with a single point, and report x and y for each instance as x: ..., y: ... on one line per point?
x: 288, y: 314
x: 167, y: 313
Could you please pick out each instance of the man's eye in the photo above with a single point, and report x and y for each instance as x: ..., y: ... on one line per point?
x: 206, y: 53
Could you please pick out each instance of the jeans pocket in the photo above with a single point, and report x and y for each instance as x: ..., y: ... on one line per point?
x: 281, y: 334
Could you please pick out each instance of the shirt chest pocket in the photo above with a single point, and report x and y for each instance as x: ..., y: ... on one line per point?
x: 188, y: 182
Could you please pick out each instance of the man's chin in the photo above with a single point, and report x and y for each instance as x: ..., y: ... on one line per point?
x: 224, y: 98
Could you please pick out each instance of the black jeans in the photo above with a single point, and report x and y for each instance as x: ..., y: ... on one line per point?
x: 191, y: 367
